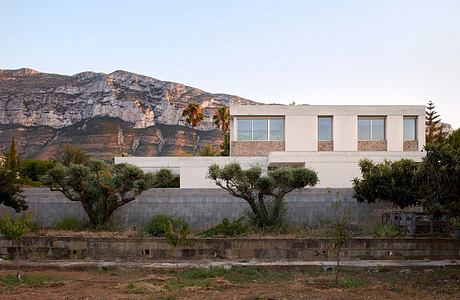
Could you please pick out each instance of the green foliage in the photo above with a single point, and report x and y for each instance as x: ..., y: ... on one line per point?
x: 102, y: 188
x: 340, y: 230
x: 34, y: 169
x: 227, y: 228
x: 387, y: 230
x: 264, y: 193
x: 207, y: 150
x: 14, y: 228
x: 70, y: 223
x: 72, y: 155
x: 194, y: 115
x: 30, y: 280
x: 225, y: 147
x: 221, y: 119
x: 11, y: 190
x: 433, y: 125
x: 352, y: 283
x: 438, y: 180
x: 387, y: 181
x: 176, y: 233
x: 12, y: 159
x: 159, y: 224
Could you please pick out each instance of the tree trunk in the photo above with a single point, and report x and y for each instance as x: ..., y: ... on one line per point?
x: 194, y: 140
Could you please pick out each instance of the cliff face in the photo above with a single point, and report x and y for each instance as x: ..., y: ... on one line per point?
x: 106, y: 114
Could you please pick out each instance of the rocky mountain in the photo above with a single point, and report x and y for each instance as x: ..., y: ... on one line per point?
x: 106, y: 114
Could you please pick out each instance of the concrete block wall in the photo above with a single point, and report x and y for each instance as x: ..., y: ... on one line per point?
x: 201, y: 208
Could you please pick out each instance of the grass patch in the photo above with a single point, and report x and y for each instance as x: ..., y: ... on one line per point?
x: 204, y: 277
x: 132, y: 288
x: 352, y: 282
x: 31, y: 280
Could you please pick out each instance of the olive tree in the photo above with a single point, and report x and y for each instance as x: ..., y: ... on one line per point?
x: 102, y: 188
x: 263, y: 192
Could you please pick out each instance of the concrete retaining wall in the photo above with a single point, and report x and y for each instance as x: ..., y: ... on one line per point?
x: 202, y: 208
x: 266, y: 249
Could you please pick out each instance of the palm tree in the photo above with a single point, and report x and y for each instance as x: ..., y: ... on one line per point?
x: 193, y: 114
x: 222, y: 119
x: 72, y: 155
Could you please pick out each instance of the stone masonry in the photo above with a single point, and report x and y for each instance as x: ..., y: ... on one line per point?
x: 325, y: 146
x: 410, y: 146
x: 372, y: 145
x: 255, y: 148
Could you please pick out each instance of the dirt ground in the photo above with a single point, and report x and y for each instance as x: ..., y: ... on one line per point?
x: 234, y: 283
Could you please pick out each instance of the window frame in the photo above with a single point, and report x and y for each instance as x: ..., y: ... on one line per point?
x: 268, y: 119
x: 371, y: 119
x: 332, y: 128
x: 414, y: 118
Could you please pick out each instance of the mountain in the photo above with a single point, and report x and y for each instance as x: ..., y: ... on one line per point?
x: 106, y: 114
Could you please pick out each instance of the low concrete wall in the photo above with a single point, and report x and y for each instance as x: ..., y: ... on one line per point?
x: 265, y: 249
x: 202, y: 208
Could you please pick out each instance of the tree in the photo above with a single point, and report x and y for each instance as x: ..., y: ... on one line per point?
x: 264, y: 193
x: 13, y: 229
x: 193, y: 114
x: 433, y: 124
x: 12, y: 158
x: 11, y: 191
x: 72, y: 155
x: 388, y: 181
x: 340, y: 231
x: 102, y: 188
x: 221, y: 119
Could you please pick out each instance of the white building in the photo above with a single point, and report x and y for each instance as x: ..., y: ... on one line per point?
x: 328, y: 139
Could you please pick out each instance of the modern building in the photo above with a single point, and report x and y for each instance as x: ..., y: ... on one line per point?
x: 330, y: 139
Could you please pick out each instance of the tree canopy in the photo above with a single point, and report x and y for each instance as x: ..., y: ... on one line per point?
x: 264, y: 193
x: 101, y: 187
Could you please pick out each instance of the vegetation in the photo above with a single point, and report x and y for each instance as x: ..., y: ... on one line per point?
x: 207, y: 150
x: 34, y: 169
x: 102, y: 188
x: 340, y: 231
x: 221, y: 119
x: 433, y: 183
x: 227, y: 228
x: 159, y: 224
x: 70, y: 224
x: 10, y: 185
x: 13, y: 229
x: 193, y: 114
x: 264, y: 193
x: 387, y: 230
x: 433, y: 124
x: 72, y: 155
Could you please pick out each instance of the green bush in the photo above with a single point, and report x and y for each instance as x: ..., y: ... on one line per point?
x: 387, y: 230
x: 227, y: 228
x: 70, y: 223
x: 160, y: 224
x: 13, y: 228
x: 34, y: 169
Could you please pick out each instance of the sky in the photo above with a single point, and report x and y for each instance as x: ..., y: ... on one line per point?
x: 310, y: 52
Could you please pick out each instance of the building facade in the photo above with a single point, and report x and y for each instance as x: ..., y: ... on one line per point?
x: 329, y: 139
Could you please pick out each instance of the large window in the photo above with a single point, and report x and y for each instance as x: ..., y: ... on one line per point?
x: 371, y: 128
x: 260, y: 129
x: 325, y: 128
x: 410, y: 128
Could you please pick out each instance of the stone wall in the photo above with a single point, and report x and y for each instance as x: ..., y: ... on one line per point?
x: 202, y: 208
x: 372, y: 145
x: 255, y: 148
x: 264, y: 249
x: 410, y: 145
x: 325, y: 146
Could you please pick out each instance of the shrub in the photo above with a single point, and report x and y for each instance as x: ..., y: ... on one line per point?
x: 159, y: 224
x: 228, y: 228
x: 70, y: 223
x: 387, y: 230
x: 34, y: 169
x: 207, y: 150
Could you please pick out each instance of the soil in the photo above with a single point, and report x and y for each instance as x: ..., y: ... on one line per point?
x: 230, y: 284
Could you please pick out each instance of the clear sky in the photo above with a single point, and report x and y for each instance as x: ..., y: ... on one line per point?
x: 316, y: 52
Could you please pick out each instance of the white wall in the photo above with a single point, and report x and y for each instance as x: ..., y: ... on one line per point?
x: 395, y: 133
x: 345, y: 133
x: 301, y: 133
